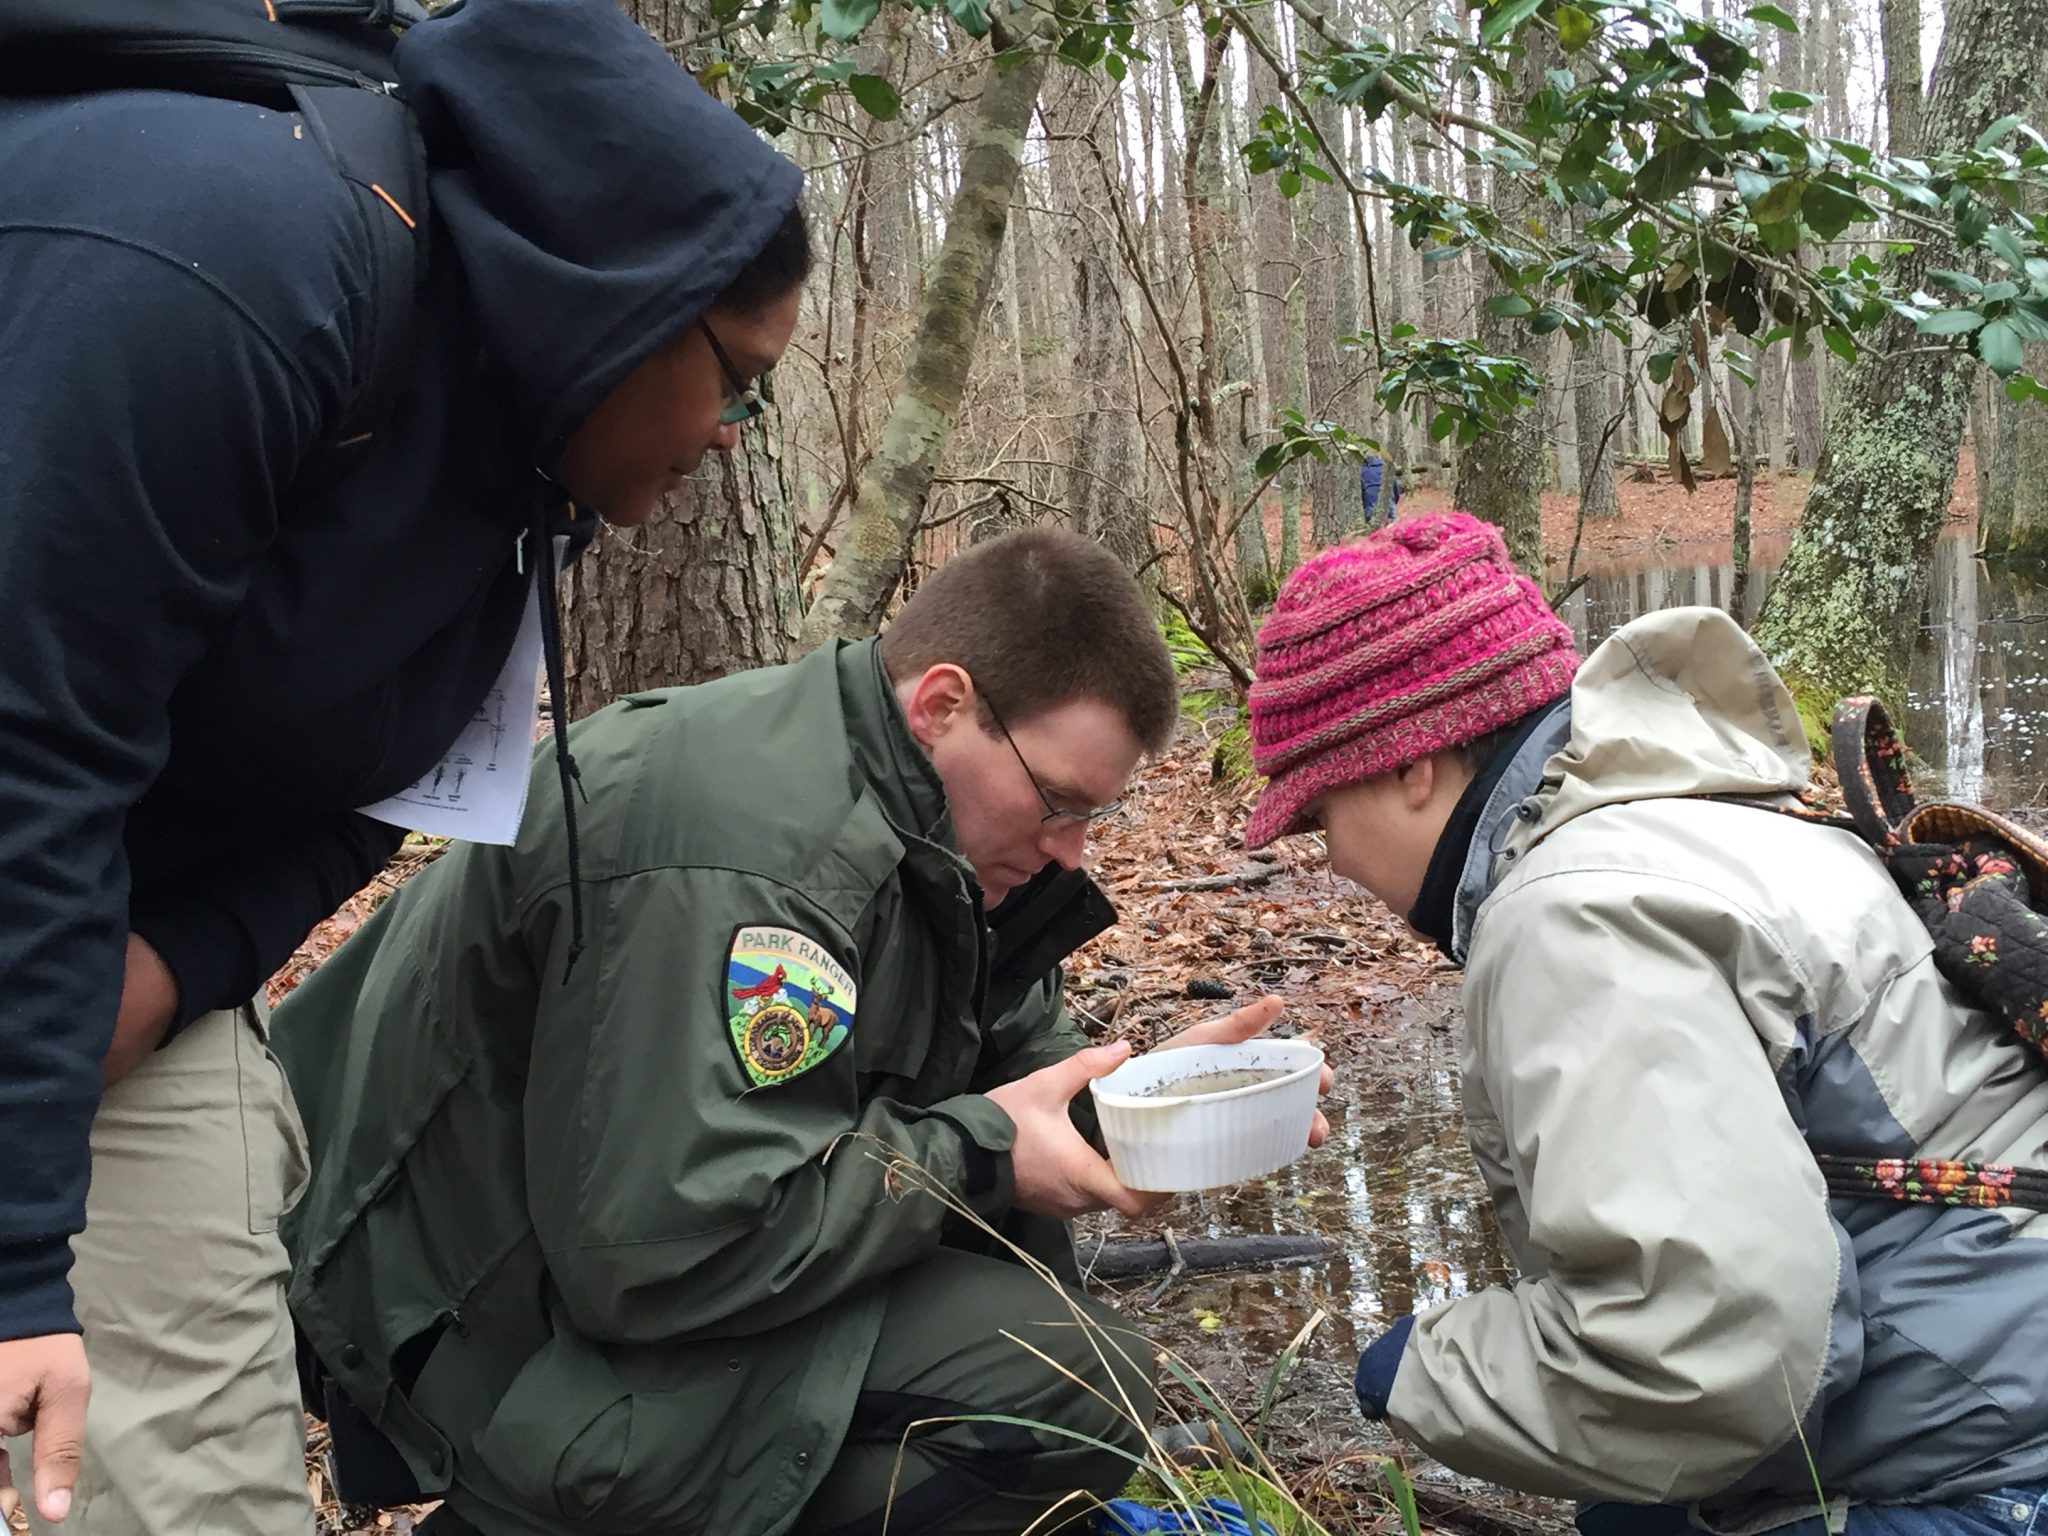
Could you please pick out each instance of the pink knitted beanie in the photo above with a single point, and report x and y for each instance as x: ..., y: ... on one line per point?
x: 1417, y: 637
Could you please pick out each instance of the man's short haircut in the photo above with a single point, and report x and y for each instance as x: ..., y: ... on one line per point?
x: 1040, y: 618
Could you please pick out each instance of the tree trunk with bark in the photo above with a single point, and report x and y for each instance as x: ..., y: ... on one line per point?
x: 2029, y: 478
x: 1842, y: 614
x: 1902, y: 74
x: 1334, y: 505
x: 890, y: 503
x: 1801, y: 376
x: 708, y: 586
x: 1750, y: 440
x: 1599, y: 494
x: 1994, y: 506
x: 1102, y: 479
x: 1248, y: 409
x: 1500, y: 476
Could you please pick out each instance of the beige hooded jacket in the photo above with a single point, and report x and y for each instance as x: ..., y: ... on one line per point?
x: 1668, y: 1000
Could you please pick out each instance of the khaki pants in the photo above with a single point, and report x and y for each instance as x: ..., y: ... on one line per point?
x: 194, y: 1425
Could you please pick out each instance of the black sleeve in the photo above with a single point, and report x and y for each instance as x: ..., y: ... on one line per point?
x: 147, y: 420
x: 224, y: 939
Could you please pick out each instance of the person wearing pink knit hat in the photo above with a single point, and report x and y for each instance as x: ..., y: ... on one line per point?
x: 1671, y: 1002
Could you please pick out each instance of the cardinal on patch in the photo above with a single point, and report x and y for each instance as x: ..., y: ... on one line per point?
x: 766, y: 987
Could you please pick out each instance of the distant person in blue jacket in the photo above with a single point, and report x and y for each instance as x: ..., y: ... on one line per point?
x: 1371, y: 475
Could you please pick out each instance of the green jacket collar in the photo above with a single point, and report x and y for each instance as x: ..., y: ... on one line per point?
x: 885, y: 754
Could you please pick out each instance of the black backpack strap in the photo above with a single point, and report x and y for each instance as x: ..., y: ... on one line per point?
x: 374, y: 143
x: 1872, y: 763
x: 331, y: 61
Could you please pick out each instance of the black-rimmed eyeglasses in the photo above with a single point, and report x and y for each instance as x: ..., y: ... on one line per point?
x: 746, y: 399
x: 1053, y: 813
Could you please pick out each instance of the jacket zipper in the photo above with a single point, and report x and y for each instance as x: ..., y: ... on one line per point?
x: 248, y: 64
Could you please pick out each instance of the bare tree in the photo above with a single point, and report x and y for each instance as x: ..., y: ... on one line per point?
x: 1500, y: 475
x: 1902, y: 74
x: 891, y: 499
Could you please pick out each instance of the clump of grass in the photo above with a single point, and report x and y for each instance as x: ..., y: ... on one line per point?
x: 1230, y: 760
x: 1189, y: 651
x: 1255, y: 1495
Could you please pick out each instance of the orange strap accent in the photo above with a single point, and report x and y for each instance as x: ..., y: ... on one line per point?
x: 393, y: 202
x: 269, y: 11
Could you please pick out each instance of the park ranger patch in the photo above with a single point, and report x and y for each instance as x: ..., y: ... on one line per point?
x: 789, y: 1004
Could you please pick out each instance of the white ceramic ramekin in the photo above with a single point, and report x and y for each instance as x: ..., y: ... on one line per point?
x: 1159, y: 1142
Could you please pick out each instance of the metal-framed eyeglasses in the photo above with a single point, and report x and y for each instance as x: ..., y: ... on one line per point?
x: 748, y: 401
x: 1054, y: 815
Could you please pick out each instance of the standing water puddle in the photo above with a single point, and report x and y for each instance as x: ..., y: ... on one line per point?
x: 1976, y: 708
x: 1394, y: 1187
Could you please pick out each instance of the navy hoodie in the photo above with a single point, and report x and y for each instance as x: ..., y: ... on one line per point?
x: 205, y: 659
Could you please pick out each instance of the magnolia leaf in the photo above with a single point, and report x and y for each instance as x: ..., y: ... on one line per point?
x: 1671, y: 171
x: 1949, y: 322
x: 2005, y: 245
x: 1753, y: 185
x: 876, y: 96
x: 1781, y: 203
x: 1575, y: 28
x: 1998, y: 130
x: 1829, y: 210
x: 1781, y: 237
x: 971, y: 16
x: 1504, y: 18
x: 1999, y: 345
x: 845, y: 20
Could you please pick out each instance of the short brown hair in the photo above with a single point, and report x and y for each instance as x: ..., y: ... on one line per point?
x: 1039, y: 618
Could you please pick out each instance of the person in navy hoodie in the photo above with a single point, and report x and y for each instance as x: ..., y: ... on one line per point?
x: 1375, y: 475
x: 212, y: 655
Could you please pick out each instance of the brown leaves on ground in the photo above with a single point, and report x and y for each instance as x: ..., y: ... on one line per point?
x: 1283, y: 925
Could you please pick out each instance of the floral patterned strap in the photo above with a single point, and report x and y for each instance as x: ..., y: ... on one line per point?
x: 1934, y: 1181
x: 1871, y: 761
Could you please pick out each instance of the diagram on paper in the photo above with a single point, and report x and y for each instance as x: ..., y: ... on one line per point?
x: 477, y: 791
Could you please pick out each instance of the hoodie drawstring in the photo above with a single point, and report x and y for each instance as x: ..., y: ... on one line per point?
x: 547, y: 594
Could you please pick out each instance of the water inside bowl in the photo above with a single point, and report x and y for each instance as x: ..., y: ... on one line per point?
x: 1215, y: 1082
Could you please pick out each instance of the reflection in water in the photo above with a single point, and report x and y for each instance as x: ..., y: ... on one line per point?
x: 1977, y: 692
x: 1394, y: 1186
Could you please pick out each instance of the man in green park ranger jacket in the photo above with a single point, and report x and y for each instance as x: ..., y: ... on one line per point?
x: 623, y: 1241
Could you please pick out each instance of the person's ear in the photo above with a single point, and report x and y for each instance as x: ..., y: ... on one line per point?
x: 1418, y: 783
x: 938, y: 702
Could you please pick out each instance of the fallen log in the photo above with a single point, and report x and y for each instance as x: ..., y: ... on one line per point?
x: 1102, y: 1260
x: 1249, y: 874
x: 1471, y: 1516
